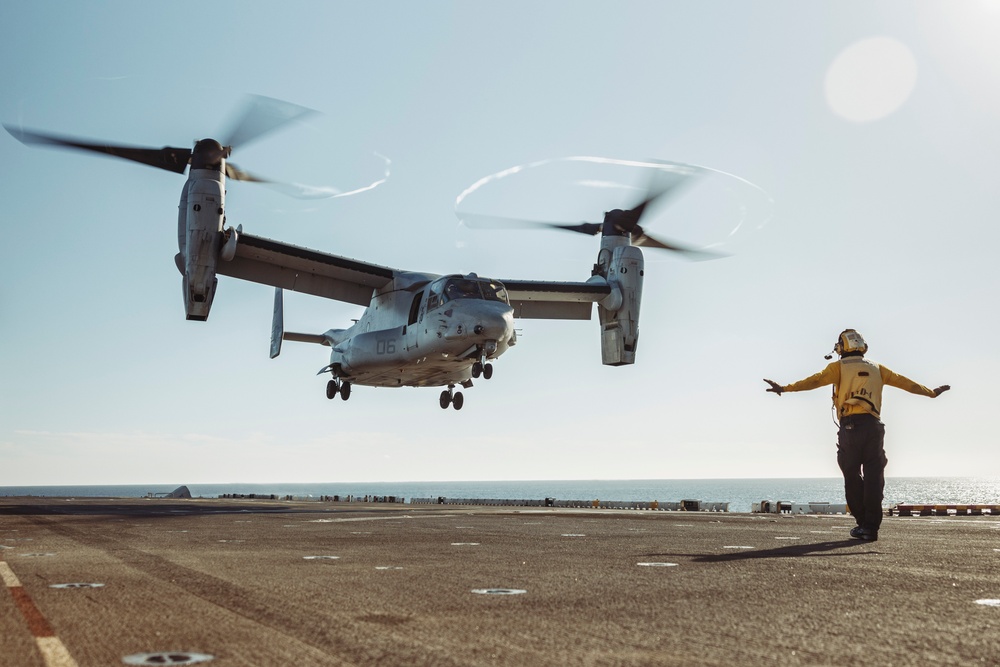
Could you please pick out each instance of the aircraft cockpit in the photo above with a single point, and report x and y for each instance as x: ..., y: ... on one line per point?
x: 449, y: 288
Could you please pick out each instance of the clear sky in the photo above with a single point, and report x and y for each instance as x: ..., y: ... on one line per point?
x: 872, y: 125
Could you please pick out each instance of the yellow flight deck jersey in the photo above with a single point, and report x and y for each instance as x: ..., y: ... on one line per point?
x: 857, y: 385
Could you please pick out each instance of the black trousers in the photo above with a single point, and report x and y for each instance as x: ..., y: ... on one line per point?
x: 861, y: 456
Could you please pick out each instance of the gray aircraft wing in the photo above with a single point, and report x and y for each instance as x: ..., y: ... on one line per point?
x: 291, y: 267
x: 536, y: 299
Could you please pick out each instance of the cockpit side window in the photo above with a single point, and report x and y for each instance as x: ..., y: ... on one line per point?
x: 415, y: 307
x: 435, y: 294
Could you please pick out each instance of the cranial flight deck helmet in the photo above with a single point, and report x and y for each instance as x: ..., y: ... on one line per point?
x: 850, y: 342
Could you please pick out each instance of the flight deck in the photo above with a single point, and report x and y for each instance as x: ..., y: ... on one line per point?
x: 227, y: 582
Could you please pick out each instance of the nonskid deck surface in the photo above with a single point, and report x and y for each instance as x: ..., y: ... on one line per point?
x: 235, y: 582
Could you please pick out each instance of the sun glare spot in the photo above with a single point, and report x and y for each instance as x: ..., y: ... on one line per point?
x: 870, y: 79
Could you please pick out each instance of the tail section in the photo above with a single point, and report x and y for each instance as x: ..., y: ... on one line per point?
x: 278, y: 333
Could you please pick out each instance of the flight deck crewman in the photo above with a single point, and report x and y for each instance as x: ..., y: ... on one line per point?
x: 857, y: 398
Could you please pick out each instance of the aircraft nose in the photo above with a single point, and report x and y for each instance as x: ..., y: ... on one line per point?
x: 494, y: 326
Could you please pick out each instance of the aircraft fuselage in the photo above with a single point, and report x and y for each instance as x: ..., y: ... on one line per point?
x: 427, y: 334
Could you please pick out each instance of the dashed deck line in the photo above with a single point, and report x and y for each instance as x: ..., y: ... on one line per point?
x: 53, y: 651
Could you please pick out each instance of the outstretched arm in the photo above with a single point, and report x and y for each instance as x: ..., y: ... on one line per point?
x: 894, y: 379
x: 829, y: 375
x: 775, y: 387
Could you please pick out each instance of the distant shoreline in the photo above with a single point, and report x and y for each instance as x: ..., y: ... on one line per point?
x: 740, y: 494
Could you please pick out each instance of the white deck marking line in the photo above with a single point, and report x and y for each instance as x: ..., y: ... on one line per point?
x: 53, y: 651
x: 9, y: 578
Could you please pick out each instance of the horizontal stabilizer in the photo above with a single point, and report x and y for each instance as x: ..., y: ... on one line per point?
x: 321, y: 339
x: 330, y: 338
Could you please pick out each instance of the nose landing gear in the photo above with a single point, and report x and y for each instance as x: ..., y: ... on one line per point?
x: 335, y: 386
x: 481, y: 366
x: 451, y: 397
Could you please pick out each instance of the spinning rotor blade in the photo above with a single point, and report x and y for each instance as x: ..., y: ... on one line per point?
x: 628, y: 221
x: 664, y: 185
x: 638, y: 235
x: 235, y: 173
x: 261, y: 115
x: 646, y: 241
x: 661, y: 188
x: 178, y: 159
x: 588, y: 228
x: 479, y: 221
x: 171, y: 159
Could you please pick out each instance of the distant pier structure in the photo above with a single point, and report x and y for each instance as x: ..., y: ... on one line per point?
x: 762, y: 507
x: 679, y: 506
x: 788, y: 507
x: 944, y: 509
x: 179, y: 492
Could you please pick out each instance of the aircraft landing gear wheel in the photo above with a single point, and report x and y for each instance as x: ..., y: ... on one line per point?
x: 458, y: 400
x: 332, y: 389
x: 488, y: 371
x: 345, y: 391
x: 477, y: 369
x: 445, y: 400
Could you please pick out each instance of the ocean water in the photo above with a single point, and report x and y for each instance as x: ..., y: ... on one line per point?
x: 739, y: 493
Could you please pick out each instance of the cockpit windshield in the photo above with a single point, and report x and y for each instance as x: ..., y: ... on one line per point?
x: 449, y: 288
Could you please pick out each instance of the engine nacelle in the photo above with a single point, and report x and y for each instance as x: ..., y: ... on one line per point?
x: 201, y: 216
x: 623, y: 267
x: 230, y: 238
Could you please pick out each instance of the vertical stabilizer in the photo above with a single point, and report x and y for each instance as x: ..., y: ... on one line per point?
x: 277, y: 324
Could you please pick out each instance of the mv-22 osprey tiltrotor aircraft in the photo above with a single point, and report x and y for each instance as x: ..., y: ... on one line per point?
x: 418, y: 329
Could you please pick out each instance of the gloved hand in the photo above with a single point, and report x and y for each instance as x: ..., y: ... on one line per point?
x: 775, y: 387
x: 940, y: 390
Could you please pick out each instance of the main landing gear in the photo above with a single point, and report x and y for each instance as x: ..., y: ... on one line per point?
x: 484, y: 369
x: 451, y: 397
x: 335, y: 386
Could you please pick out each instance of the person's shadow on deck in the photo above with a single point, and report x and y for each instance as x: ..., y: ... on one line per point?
x: 818, y: 549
